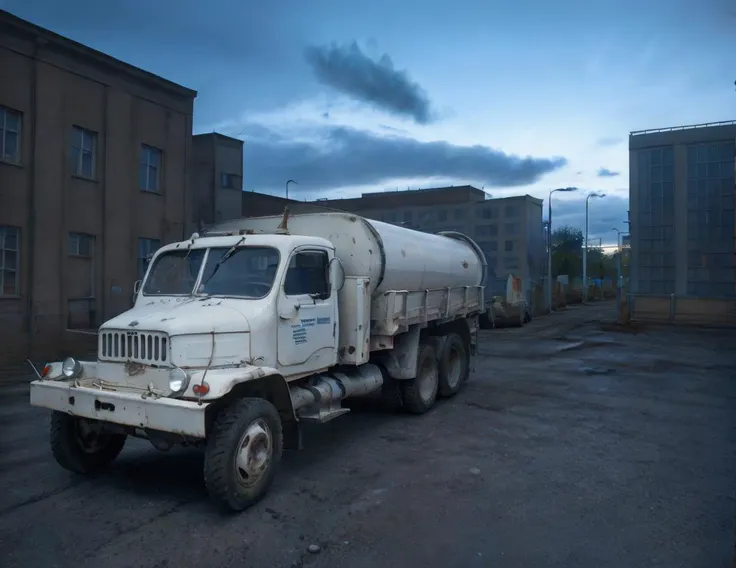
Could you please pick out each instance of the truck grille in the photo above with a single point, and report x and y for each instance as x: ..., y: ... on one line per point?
x: 147, y: 347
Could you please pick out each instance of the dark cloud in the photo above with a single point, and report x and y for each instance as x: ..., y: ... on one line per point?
x: 347, y: 69
x: 609, y: 141
x: 343, y: 157
x: 604, y: 214
x: 606, y: 173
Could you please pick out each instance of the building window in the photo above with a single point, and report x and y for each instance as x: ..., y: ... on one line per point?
x: 84, y: 143
x: 710, y: 219
x: 493, y: 230
x: 9, y: 135
x: 79, y: 244
x: 146, y: 248
x: 510, y: 211
x: 510, y: 228
x: 425, y: 217
x: 231, y: 181
x: 407, y: 216
x: 81, y: 303
x: 150, y: 169
x: 509, y: 246
x: 442, y: 215
x: 656, y: 230
x: 9, y: 261
x: 485, y: 212
x: 459, y: 213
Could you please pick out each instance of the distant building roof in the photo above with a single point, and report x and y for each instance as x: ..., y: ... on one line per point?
x: 219, y: 135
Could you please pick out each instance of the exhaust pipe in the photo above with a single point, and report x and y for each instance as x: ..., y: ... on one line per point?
x: 327, y: 389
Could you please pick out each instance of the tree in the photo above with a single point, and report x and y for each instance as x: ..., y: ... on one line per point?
x: 567, y: 251
x: 567, y: 256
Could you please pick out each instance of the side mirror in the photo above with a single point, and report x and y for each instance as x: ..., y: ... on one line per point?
x: 137, y: 287
x: 337, y: 274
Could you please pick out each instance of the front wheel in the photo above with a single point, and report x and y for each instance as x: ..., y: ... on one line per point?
x: 242, y: 453
x: 83, y: 445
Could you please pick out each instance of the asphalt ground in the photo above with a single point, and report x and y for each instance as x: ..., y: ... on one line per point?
x: 572, y: 445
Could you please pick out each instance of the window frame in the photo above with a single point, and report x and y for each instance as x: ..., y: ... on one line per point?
x: 4, y: 111
x: 3, y: 268
x: 148, y: 258
x: 237, y: 180
x: 76, y: 237
x: 144, y: 160
x: 309, y: 250
x: 78, y: 134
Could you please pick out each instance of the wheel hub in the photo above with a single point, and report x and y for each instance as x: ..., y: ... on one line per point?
x: 426, y: 379
x: 455, y: 368
x: 254, y: 453
x: 91, y: 435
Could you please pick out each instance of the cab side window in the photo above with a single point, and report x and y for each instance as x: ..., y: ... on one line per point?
x: 307, y: 274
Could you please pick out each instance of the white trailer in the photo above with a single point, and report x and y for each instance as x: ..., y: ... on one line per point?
x: 239, y: 335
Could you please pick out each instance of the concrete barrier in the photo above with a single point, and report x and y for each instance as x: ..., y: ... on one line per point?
x: 682, y: 310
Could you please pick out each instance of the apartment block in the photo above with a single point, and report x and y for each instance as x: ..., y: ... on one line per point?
x: 217, y: 181
x: 683, y: 224
x: 94, y: 176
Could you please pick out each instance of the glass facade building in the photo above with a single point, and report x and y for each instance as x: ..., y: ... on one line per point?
x: 682, y: 196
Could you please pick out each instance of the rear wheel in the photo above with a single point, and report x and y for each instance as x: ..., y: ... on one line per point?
x: 420, y: 393
x: 83, y: 445
x: 242, y: 453
x: 453, y: 366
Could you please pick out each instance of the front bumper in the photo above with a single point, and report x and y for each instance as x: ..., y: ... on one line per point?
x: 128, y: 409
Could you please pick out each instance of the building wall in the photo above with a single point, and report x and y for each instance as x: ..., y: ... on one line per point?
x: 682, y: 195
x: 217, y: 178
x: 71, y: 226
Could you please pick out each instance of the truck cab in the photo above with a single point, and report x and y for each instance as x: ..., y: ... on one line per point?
x: 230, y: 300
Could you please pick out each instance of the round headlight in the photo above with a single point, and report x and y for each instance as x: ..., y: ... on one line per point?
x: 71, y: 368
x: 178, y: 380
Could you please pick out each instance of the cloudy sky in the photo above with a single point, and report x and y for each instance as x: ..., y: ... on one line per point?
x: 515, y: 96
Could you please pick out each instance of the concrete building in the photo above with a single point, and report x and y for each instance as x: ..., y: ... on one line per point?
x: 217, y: 181
x: 682, y: 198
x: 509, y: 230
x: 94, y: 175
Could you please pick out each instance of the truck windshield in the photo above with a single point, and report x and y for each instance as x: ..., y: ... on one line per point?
x: 247, y: 272
x: 174, y: 273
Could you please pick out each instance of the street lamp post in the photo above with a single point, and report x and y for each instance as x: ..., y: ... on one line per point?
x: 287, y: 187
x: 618, y: 270
x: 549, y: 243
x: 585, y: 246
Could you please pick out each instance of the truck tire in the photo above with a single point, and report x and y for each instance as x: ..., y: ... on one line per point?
x: 242, y: 453
x: 81, y: 445
x: 454, y: 366
x: 420, y: 393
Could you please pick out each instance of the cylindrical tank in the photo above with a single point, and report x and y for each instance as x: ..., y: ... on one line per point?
x: 394, y: 258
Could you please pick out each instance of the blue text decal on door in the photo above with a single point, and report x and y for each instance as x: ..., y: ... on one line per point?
x: 299, y: 330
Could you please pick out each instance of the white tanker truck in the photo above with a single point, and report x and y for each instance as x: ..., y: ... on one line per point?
x: 238, y: 336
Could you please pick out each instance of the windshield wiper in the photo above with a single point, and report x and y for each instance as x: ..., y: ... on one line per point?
x: 228, y: 253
